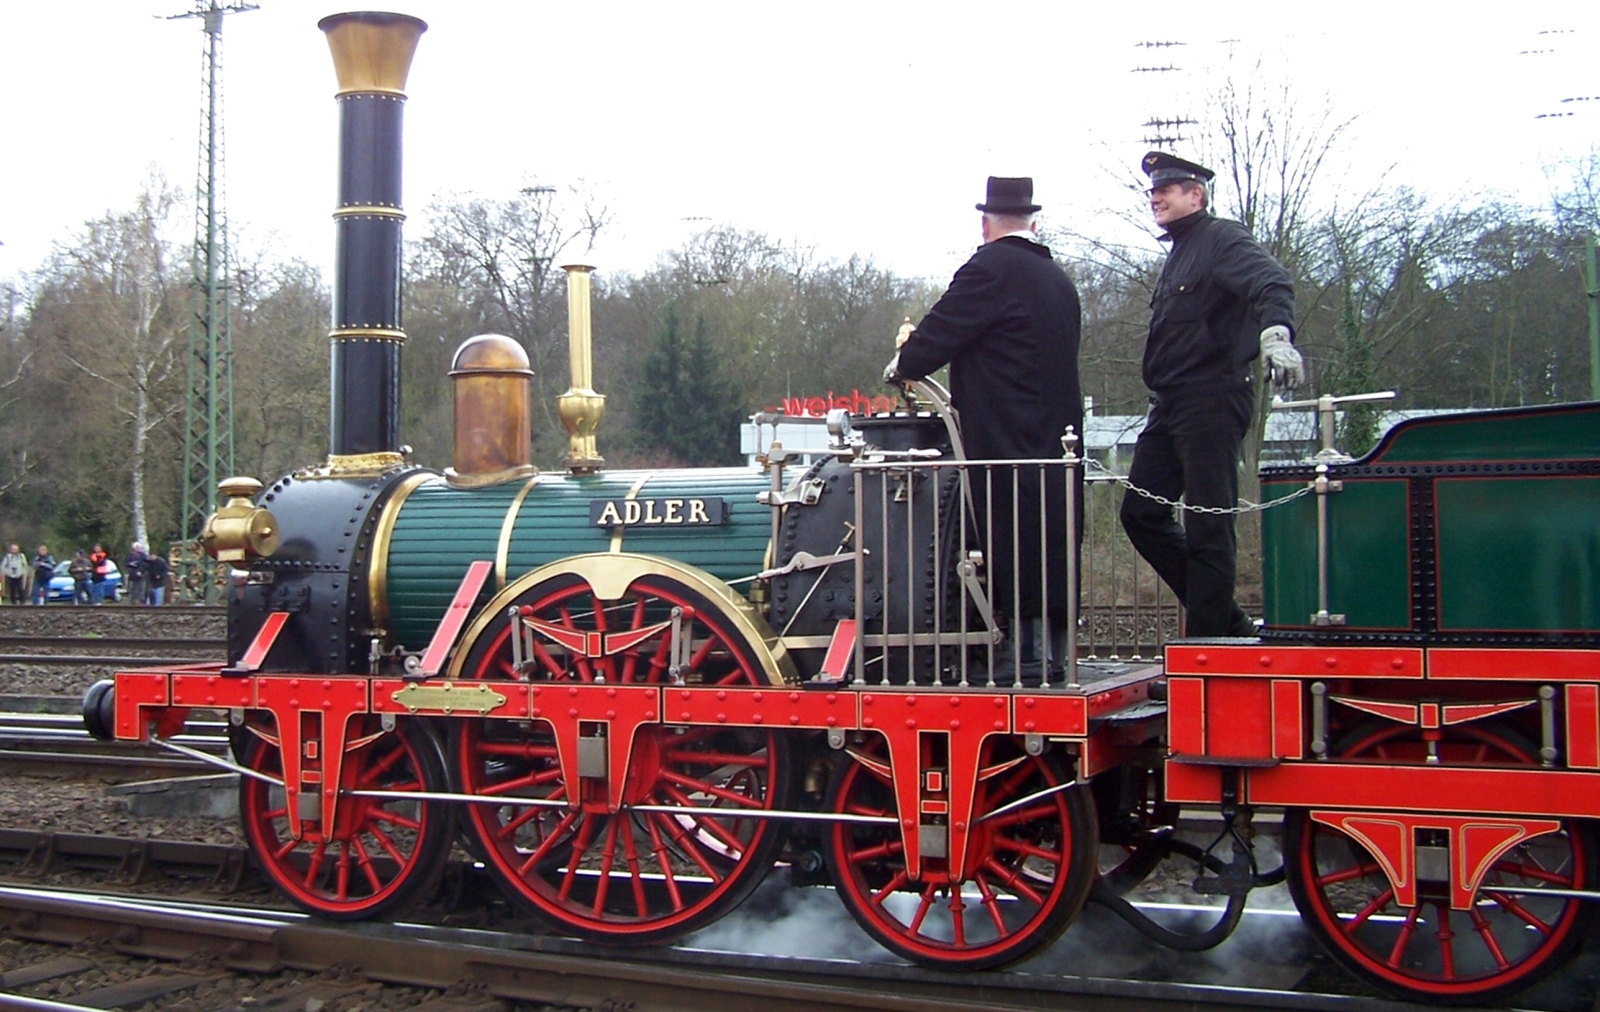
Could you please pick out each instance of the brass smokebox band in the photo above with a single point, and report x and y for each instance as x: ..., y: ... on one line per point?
x: 372, y: 210
x: 367, y: 334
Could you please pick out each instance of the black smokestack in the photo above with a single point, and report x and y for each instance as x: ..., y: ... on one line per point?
x: 372, y: 56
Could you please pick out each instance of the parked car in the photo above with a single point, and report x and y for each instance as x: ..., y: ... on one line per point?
x: 61, y: 583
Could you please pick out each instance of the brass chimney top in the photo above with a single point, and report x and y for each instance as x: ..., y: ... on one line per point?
x: 372, y: 50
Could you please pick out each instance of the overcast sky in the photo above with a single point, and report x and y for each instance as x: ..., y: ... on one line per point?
x: 859, y: 127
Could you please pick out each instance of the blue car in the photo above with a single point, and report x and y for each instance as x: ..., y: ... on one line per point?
x: 61, y: 583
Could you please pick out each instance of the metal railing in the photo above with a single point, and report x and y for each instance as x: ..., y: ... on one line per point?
x: 966, y: 568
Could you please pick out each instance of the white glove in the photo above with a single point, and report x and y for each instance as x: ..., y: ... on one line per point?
x: 891, y: 372
x: 1281, y: 359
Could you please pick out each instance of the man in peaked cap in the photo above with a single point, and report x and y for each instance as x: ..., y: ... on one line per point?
x: 1008, y: 326
x: 1221, y: 301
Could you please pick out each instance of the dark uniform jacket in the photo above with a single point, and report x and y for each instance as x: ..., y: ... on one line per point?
x: 1218, y: 291
x: 1008, y: 325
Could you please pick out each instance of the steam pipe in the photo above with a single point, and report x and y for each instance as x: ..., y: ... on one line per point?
x: 372, y: 55
x: 580, y: 408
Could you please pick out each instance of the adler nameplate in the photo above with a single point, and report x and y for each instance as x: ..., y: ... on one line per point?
x: 667, y: 511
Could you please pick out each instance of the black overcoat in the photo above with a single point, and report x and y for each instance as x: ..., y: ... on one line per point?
x: 1008, y: 326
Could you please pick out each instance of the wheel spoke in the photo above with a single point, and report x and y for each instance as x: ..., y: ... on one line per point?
x: 1511, y: 906
x: 1350, y: 874
x: 1481, y: 925
x: 1014, y: 882
x: 394, y: 819
x: 1374, y: 905
x: 549, y: 842
x: 580, y: 847
x: 991, y: 903
x: 1407, y: 929
x: 630, y: 663
x: 679, y: 837
x: 387, y: 845
x: 700, y: 786
x: 364, y: 864
x: 958, y: 923
x: 630, y: 854
x: 1447, y: 937
x: 607, y: 859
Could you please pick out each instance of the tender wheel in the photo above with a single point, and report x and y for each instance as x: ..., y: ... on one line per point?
x: 632, y: 877
x: 1027, y: 874
x: 1430, y: 952
x: 383, y: 853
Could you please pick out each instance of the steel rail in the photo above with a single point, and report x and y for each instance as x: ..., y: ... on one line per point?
x: 567, y: 972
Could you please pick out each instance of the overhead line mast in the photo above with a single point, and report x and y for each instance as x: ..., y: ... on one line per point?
x: 208, y: 432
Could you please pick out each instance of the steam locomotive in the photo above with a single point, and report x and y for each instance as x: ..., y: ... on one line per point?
x: 633, y: 694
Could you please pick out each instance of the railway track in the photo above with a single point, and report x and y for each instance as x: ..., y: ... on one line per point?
x: 47, y: 733
x: 483, y: 969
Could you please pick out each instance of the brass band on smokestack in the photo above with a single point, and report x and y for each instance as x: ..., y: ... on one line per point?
x: 372, y: 56
x: 580, y: 408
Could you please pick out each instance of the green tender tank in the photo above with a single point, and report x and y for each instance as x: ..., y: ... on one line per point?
x: 438, y: 530
x: 1481, y: 524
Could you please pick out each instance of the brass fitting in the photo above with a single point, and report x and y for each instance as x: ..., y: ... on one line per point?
x: 580, y: 408
x: 493, y: 389
x: 240, y: 530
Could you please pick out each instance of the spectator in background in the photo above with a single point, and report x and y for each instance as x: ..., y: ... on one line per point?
x: 134, y: 568
x: 44, y: 567
x: 156, y: 573
x: 14, y: 567
x: 82, y: 573
x: 97, y: 573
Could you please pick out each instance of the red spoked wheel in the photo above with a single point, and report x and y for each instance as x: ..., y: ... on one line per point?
x: 1510, y: 938
x: 1027, y: 872
x: 383, y: 853
x: 628, y: 877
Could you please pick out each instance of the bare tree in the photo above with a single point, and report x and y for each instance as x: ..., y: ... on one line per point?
x: 117, y: 322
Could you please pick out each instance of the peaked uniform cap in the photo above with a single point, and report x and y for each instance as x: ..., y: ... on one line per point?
x: 1009, y: 195
x: 1163, y: 168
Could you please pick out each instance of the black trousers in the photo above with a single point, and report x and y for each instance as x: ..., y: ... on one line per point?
x: 1190, y: 448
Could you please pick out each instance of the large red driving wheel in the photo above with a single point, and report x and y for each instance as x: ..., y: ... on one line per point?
x: 630, y: 877
x: 383, y: 853
x: 1027, y: 873
x: 1510, y: 938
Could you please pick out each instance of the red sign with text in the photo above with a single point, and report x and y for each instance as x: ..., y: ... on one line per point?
x: 855, y: 402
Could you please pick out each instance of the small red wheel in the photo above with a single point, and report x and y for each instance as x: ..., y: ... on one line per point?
x: 383, y: 853
x: 629, y: 877
x: 1510, y: 938
x: 1027, y: 873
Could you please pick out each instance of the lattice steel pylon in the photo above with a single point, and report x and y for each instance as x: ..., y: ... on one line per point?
x: 208, y: 431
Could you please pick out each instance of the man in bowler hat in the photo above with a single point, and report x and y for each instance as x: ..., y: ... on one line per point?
x: 1220, y: 302
x: 1008, y: 327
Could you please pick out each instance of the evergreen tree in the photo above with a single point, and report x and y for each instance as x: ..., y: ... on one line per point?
x: 687, y: 405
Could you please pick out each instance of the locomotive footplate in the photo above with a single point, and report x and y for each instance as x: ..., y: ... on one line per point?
x: 596, y: 728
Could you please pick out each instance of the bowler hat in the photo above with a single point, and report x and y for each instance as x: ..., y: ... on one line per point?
x: 1163, y: 168
x: 1009, y: 195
